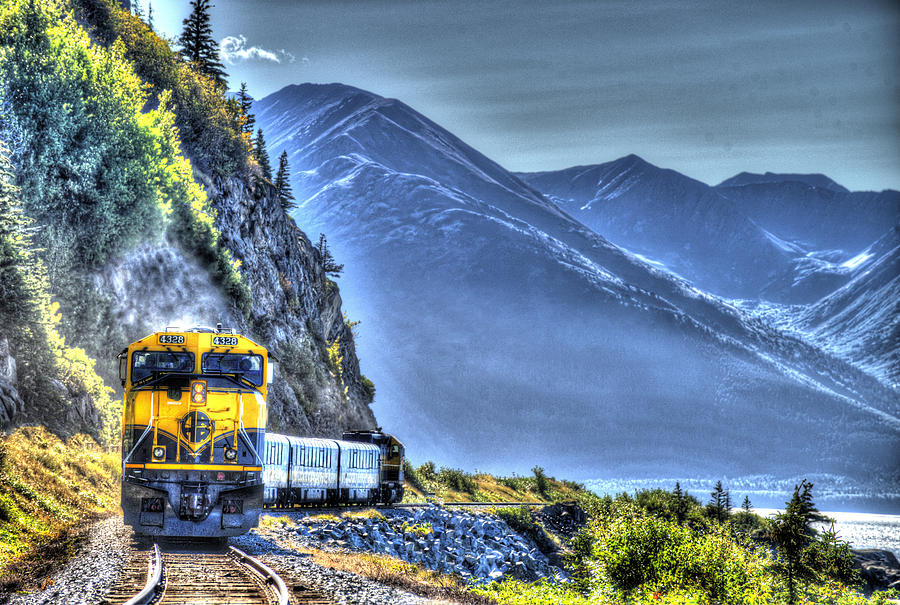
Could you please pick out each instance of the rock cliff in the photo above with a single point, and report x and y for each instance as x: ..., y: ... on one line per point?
x: 296, y: 310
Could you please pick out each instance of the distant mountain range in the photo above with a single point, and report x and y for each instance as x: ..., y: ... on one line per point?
x: 781, y: 237
x: 577, y: 319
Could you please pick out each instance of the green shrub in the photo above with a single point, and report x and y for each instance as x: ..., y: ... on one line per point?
x: 630, y: 551
x: 92, y: 161
x: 368, y: 388
x: 412, y: 476
x: 456, y: 479
x: 209, y: 123
x: 427, y: 472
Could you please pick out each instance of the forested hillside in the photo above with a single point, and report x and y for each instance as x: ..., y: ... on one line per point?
x: 131, y: 200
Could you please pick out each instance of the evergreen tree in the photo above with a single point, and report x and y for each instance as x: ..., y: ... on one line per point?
x: 150, y: 17
x: 746, y: 506
x: 283, y: 183
x: 261, y: 155
x: 719, y: 503
x: 681, y: 503
x: 792, y: 534
x: 330, y: 267
x: 25, y: 306
x: 246, y: 102
x: 198, y: 46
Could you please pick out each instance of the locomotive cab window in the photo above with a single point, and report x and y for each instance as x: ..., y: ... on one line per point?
x: 248, y: 367
x: 146, y: 363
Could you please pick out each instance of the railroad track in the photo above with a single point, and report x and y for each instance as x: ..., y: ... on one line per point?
x: 175, y: 575
x: 350, y: 507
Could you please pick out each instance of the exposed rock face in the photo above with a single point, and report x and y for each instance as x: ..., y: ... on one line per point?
x: 294, y: 308
x: 296, y: 313
x: 879, y: 569
x: 11, y: 404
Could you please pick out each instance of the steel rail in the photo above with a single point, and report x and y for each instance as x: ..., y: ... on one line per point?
x: 154, y: 577
x: 270, y: 577
x: 318, y: 508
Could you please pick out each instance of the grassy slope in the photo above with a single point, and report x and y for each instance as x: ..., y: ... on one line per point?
x: 48, y: 487
x: 453, y: 485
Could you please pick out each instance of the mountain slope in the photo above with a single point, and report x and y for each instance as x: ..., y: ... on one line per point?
x: 676, y: 220
x: 819, y: 214
x: 861, y: 320
x: 498, y: 328
x: 749, y: 237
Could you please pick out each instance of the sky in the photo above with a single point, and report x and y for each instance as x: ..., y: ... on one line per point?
x: 707, y: 88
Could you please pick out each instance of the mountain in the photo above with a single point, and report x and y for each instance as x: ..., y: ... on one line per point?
x: 750, y: 237
x: 861, y: 320
x: 818, y: 181
x: 820, y: 215
x: 503, y: 333
x: 674, y: 220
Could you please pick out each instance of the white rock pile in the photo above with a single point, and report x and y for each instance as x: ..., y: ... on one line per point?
x: 477, y: 547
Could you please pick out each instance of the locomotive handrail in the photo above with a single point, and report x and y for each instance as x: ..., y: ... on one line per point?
x: 140, y: 440
x: 243, y: 433
x: 154, y: 576
x: 270, y: 577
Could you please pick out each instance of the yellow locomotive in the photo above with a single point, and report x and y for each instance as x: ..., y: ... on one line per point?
x: 193, y: 432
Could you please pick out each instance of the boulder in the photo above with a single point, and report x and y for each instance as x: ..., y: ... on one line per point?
x: 879, y: 569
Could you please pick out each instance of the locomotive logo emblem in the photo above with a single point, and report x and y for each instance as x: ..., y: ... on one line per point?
x: 195, y: 427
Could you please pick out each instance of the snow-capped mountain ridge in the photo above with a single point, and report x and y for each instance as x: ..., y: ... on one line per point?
x: 479, y: 293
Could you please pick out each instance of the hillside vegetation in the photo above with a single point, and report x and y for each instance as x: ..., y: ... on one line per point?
x: 47, y: 487
x: 455, y: 485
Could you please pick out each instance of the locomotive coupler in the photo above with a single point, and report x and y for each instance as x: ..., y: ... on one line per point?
x: 195, y: 502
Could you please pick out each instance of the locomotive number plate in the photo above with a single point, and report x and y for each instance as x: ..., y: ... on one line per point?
x: 225, y: 341
x: 171, y: 339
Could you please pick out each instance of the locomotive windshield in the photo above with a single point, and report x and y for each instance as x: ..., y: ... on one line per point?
x: 250, y: 367
x: 147, y: 363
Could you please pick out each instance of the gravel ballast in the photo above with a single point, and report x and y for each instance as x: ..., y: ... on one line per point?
x: 341, y: 586
x: 89, y: 574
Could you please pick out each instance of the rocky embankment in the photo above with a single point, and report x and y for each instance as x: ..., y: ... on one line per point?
x: 478, y: 547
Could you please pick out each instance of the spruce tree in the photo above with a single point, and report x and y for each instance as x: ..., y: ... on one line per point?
x: 283, y: 183
x: 262, y: 155
x: 719, y: 503
x: 198, y: 46
x: 25, y: 311
x: 150, y: 17
x: 246, y: 102
x: 792, y: 534
x: 681, y: 503
x: 328, y: 264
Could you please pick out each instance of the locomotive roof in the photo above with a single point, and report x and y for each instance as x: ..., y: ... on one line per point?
x: 200, y: 335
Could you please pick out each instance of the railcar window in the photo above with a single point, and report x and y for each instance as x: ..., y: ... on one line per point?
x: 250, y: 367
x: 147, y: 363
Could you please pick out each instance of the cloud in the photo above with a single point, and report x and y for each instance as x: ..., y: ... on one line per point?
x: 233, y: 49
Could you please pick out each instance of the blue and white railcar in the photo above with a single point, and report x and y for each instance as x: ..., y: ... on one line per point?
x: 275, y: 470
x: 313, y: 473
x: 360, y: 472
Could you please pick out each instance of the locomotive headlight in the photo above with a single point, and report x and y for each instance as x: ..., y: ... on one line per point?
x: 159, y: 452
x: 230, y: 454
x: 198, y: 392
